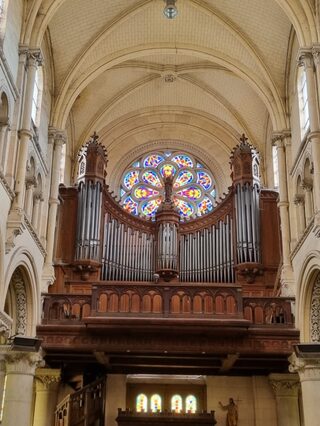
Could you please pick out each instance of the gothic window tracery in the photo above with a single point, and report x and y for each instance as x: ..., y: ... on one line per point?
x: 142, y: 185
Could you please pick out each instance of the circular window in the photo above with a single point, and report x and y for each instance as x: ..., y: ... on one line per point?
x: 142, y: 186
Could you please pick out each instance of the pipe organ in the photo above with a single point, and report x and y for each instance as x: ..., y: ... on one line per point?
x: 129, y: 291
x: 88, y: 220
x: 128, y: 254
x: 227, y: 245
x: 207, y: 255
x: 248, y: 223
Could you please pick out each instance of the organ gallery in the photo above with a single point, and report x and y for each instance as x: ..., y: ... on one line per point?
x: 172, y: 285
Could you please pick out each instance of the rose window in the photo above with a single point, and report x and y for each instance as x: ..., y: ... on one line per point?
x: 142, y: 186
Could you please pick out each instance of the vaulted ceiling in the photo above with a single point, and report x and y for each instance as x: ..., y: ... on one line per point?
x: 196, y: 82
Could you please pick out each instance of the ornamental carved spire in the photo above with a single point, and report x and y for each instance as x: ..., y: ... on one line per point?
x: 92, y: 160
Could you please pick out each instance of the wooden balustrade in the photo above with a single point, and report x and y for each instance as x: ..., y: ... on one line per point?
x: 166, y: 301
x: 84, y: 407
x: 132, y: 418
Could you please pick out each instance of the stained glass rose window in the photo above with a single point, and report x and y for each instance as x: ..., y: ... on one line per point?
x: 142, y: 185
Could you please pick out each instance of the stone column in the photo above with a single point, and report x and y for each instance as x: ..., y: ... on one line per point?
x: 3, y: 142
x: 286, y: 390
x: 34, y: 59
x: 301, y: 221
x: 316, y: 59
x: 28, y: 203
x: 309, y: 373
x: 18, y: 399
x: 37, y: 198
x: 2, y: 383
x: 306, y: 60
x: 115, y: 397
x: 47, y: 384
x: 308, y: 201
x: 59, y: 140
x: 286, y: 274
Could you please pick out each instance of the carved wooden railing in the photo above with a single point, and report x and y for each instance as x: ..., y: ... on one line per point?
x: 136, y: 300
x: 84, y: 407
x: 132, y: 418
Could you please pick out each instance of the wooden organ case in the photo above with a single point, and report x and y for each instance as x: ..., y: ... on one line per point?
x: 167, y: 296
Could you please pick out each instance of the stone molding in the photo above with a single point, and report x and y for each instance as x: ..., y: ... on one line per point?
x: 21, y: 303
x: 47, y: 377
x: 315, y: 311
x: 280, y: 139
x: 305, y: 58
x: 24, y: 363
x: 284, y: 385
x: 58, y: 136
x: 5, y: 324
x: 307, y: 368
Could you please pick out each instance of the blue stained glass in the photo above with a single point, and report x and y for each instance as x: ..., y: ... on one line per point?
x: 142, y: 188
x: 131, y: 178
x: 204, y: 180
x: 151, y: 177
x: 182, y: 160
x: 185, y: 208
x: 153, y: 160
x: 184, y: 177
x: 150, y: 207
x: 205, y: 206
x: 130, y: 205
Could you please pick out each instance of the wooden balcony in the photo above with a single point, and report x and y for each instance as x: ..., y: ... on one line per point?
x: 132, y: 418
x: 209, y: 304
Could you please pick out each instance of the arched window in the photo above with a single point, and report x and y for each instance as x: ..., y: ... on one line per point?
x: 176, y: 403
x: 3, y: 18
x: 141, y: 403
x: 37, y: 97
x: 142, y: 186
x: 191, y: 404
x: 303, y: 102
x: 155, y: 403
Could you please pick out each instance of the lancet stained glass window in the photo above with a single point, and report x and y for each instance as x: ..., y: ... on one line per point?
x: 142, y: 185
x: 155, y: 403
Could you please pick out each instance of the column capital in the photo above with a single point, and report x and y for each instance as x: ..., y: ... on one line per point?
x: 305, y: 58
x: 47, y: 377
x: 316, y: 53
x: 58, y: 136
x: 34, y: 57
x: 298, y: 199
x: 22, y: 362
x: 285, y: 384
x: 307, y: 186
x: 307, y: 368
x: 313, y: 135
x: 280, y: 138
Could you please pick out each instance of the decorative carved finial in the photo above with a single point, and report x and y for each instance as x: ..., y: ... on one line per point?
x: 94, y: 137
x: 243, y: 139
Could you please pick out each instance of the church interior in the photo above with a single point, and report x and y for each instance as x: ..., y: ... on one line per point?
x: 160, y: 212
